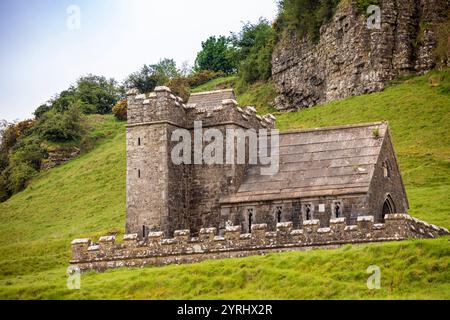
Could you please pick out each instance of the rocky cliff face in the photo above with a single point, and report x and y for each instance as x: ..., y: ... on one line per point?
x: 351, y: 59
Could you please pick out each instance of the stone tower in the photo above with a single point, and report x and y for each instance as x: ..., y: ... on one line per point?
x: 153, y: 202
x: 163, y: 196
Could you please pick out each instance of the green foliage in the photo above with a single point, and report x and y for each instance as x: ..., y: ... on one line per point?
x: 33, y: 266
x: 39, y: 112
x: 304, y: 16
x: 442, y: 51
x: 201, y: 77
x: 181, y: 86
x: 28, y: 151
x: 96, y: 94
x: 60, y: 127
x: 376, y: 133
x: 362, y: 5
x: 92, y: 94
x: 20, y: 175
x: 151, y: 76
x: 216, y: 55
x: 253, y: 48
x: 120, y: 110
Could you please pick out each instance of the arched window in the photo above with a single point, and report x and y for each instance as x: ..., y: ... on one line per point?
x: 388, y: 207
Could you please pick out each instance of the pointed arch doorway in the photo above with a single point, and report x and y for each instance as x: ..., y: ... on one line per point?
x: 388, y: 207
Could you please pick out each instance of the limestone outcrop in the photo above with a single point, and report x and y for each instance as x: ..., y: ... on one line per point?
x: 351, y: 59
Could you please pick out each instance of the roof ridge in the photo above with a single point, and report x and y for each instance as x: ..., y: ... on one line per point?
x: 349, y: 126
x: 211, y: 91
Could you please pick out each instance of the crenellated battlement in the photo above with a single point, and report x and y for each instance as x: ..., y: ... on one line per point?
x: 163, y: 105
x: 182, y: 248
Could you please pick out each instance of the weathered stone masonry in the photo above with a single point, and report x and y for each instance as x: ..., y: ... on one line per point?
x: 334, y: 186
x: 351, y: 59
x: 183, y: 249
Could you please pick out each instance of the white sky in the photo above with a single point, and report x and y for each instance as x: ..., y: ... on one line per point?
x: 40, y: 56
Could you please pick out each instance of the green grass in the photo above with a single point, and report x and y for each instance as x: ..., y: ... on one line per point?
x: 418, y: 112
x: 411, y: 269
x: 86, y: 198
x: 216, y: 84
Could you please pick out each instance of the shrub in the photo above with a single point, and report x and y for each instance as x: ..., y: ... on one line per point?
x: 4, y: 188
x: 61, y: 127
x: 28, y: 151
x: 305, y: 16
x: 442, y: 51
x: 180, y: 87
x: 120, y: 110
x: 20, y: 175
x: 13, y: 133
x: 202, y: 77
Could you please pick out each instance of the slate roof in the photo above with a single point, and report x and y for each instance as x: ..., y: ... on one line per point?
x: 210, y: 99
x: 317, y: 162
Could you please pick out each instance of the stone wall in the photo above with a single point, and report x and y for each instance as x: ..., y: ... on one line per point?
x: 266, y: 212
x: 162, y: 196
x: 156, y: 250
x: 351, y: 59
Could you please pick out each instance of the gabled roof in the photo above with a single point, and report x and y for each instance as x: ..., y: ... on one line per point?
x: 210, y: 99
x: 318, y: 162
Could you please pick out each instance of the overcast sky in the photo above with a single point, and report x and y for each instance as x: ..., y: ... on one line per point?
x: 42, y: 50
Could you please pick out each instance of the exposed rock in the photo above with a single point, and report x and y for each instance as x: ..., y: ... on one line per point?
x: 58, y: 156
x: 351, y: 59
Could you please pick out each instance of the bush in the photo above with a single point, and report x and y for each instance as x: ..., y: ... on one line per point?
x: 305, y: 16
x: 61, y: 127
x: 180, y: 87
x: 442, y: 51
x: 28, y: 151
x: 202, y: 77
x: 120, y: 110
x: 13, y: 133
x: 20, y: 175
x: 4, y: 187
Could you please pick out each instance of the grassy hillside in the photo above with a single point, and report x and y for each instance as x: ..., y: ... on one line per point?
x: 86, y: 198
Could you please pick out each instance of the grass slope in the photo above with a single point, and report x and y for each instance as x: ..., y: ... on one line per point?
x: 86, y: 198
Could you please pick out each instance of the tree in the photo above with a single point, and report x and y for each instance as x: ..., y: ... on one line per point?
x: 253, y: 48
x: 151, y: 76
x: 216, y: 55
x: 96, y: 94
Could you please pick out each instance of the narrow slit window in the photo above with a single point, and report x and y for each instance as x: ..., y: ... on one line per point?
x: 337, y: 209
x: 308, y: 212
x: 279, y: 212
x: 139, y: 141
x: 139, y: 174
x: 250, y: 219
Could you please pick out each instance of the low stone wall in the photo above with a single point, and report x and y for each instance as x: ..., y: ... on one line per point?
x: 183, y: 249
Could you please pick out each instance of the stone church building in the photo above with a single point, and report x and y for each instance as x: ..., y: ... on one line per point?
x: 326, y: 173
